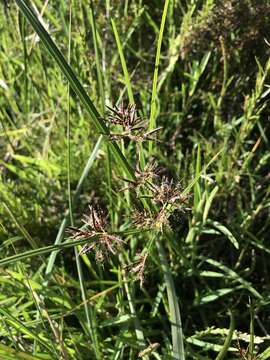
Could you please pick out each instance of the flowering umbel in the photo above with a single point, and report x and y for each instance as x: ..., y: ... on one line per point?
x: 154, y: 221
x: 168, y: 193
x: 142, y: 176
x: 133, y: 127
x: 138, y: 266
x: 101, y: 242
x: 168, y: 196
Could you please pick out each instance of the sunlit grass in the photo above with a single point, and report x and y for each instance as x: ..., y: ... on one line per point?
x: 171, y: 258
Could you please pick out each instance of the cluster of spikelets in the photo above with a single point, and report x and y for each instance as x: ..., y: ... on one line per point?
x: 132, y: 126
x: 165, y: 196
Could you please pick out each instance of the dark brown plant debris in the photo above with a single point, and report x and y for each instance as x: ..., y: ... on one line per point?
x: 102, y: 243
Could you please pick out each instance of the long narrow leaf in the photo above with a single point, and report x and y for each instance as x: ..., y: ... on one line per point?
x: 54, y: 249
x: 152, y: 122
x: 228, y: 340
x: 176, y: 323
x: 123, y: 63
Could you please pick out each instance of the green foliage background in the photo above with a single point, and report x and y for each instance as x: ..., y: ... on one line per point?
x: 211, y: 101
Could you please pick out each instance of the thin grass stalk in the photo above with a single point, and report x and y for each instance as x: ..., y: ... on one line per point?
x: 107, y: 94
x: 89, y: 314
x: 131, y: 303
x: 127, y: 82
x: 123, y: 63
x: 68, y: 124
x: 105, y: 45
x: 129, y: 33
x: 89, y: 320
x: 22, y: 28
x: 32, y: 242
x: 223, y: 352
x: 40, y: 310
x: 251, y: 331
x: 97, y: 59
x: 217, y: 118
x: 152, y: 121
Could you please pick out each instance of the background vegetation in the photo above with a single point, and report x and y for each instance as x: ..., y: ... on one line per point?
x: 181, y: 268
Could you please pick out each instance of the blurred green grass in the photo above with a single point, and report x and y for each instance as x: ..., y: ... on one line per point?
x: 210, y: 94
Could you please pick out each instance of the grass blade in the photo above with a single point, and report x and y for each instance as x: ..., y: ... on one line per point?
x: 176, y: 323
x: 225, y: 231
x: 208, y: 203
x: 152, y: 122
x: 8, y: 353
x: 53, y: 249
x: 123, y: 63
x: 228, y: 340
x: 251, y: 330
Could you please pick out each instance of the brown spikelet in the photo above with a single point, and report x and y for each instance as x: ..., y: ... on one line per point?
x: 142, y: 177
x: 133, y: 127
x: 138, y: 266
x: 168, y: 193
x: 102, y: 243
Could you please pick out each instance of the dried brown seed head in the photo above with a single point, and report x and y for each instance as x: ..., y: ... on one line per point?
x: 133, y: 127
x: 138, y: 266
x: 157, y: 221
x: 168, y: 192
x: 104, y: 243
x: 96, y: 219
x: 142, y: 176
